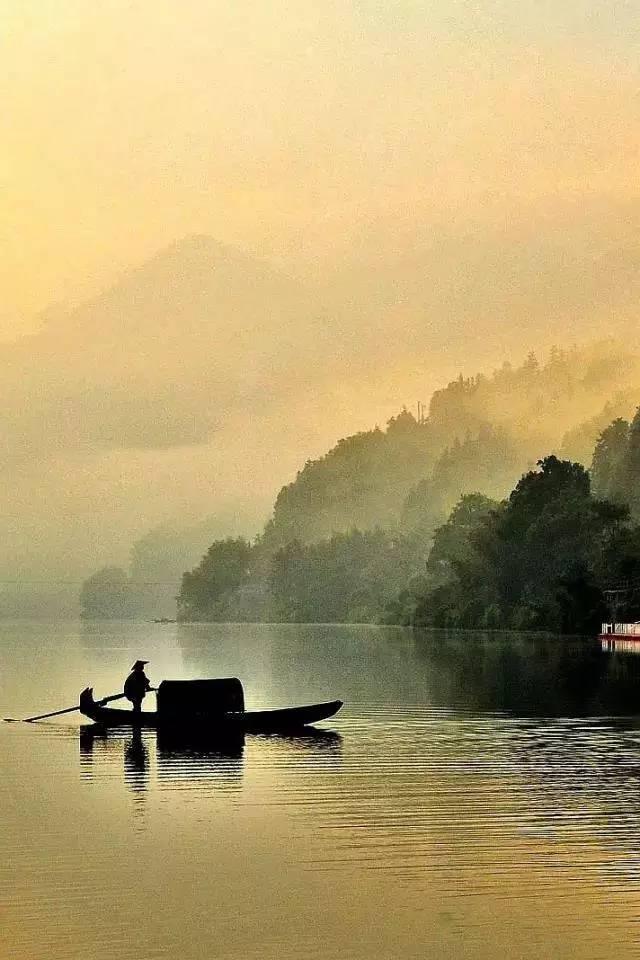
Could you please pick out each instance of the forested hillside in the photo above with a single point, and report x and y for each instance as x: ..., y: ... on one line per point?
x: 480, y: 434
x: 356, y: 527
x: 541, y: 559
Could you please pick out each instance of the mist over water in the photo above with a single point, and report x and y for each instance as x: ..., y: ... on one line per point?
x: 471, y: 785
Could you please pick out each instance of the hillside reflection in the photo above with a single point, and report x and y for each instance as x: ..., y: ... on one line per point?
x: 528, y: 675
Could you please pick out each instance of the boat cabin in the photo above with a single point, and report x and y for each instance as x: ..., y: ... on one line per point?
x: 620, y: 630
x: 187, y: 701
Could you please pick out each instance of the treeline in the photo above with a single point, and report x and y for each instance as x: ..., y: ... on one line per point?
x: 541, y: 559
x: 350, y: 577
x: 362, y: 533
x: 616, y: 464
x: 149, y: 585
x: 481, y: 433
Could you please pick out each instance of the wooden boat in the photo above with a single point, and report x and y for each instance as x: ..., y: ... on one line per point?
x: 212, y: 715
x: 620, y: 631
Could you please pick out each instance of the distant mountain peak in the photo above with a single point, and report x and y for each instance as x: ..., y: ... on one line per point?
x: 195, y: 256
x: 194, y: 284
x: 198, y: 243
x: 204, y: 247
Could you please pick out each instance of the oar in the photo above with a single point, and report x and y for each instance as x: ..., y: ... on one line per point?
x: 56, y: 713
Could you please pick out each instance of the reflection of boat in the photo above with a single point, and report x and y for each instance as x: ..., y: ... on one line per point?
x: 185, y: 742
x: 620, y: 644
x: 181, y: 758
x: 210, y: 706
x: 193, y: 759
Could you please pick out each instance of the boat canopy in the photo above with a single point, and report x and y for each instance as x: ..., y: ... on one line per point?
x: 199, y: 699
x: 621, y: 629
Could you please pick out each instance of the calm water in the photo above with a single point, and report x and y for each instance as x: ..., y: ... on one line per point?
x: 477, y: 797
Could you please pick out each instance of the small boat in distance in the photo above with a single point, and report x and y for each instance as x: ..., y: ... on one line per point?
x: 207, y: 705
x: 628, y: 631
x: 620, y: 638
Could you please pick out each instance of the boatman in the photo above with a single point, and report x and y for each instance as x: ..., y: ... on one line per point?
x: 137, y: 684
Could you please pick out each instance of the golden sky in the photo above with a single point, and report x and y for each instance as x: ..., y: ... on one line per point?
x: 304, y: 130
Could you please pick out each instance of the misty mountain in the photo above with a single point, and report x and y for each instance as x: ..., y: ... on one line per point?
x: 160, y: 358
x: 201, y: 379
x: 156, y: 402
x: 374, y: 500
x: 480, y: 434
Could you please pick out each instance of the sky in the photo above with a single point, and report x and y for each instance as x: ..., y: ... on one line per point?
x: 290, y: 127
x: 446, y: 183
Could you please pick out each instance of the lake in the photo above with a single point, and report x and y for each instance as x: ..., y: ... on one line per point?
x: 477, y: 797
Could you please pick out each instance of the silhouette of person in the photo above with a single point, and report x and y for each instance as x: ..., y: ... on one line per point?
x: 136, y: 685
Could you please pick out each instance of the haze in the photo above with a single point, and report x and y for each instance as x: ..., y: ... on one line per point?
x: 231, y: 234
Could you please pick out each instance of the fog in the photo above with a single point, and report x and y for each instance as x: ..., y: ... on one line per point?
x: 231, y: 235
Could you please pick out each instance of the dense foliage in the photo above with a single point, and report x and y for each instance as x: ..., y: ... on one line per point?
x: 539, y: 560
x: 349, y: 577
x: 616, y: 464
x: 206, y: 591
x: 480, y: 434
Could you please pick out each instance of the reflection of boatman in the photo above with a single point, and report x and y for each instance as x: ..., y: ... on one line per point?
x: 137, y: 684
x: 136, y: 760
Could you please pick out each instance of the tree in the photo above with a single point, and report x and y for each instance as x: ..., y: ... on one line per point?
x: 544, y: 546
x: 537, y: 561
x: 631, y: 481
x: 453, y: 551
x: 205, y: 590
x: 107, y: 595
x: 348, y: 577
x: 609, y: 464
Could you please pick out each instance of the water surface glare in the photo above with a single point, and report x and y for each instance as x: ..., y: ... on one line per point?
x: 477, y: 797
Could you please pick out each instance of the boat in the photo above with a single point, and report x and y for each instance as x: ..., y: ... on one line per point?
x: 613, y: 631
x: 620, y: 638
x: 215, y: 706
